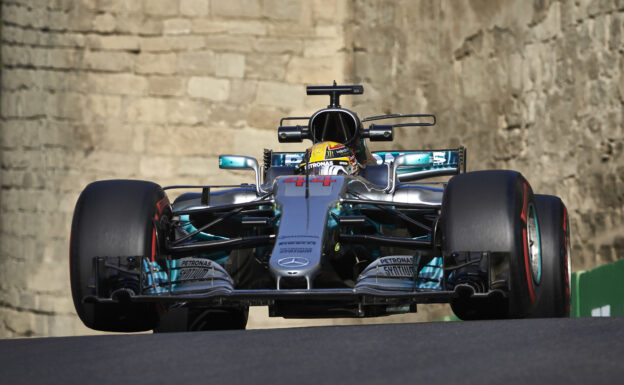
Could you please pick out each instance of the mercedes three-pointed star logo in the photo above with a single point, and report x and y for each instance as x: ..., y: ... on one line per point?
x: 293, y: 262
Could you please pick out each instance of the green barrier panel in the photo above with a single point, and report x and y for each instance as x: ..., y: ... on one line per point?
x: 599, y: 292
x: 595, y: 293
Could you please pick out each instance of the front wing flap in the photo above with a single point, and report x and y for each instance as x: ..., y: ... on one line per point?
x: 388, y: 280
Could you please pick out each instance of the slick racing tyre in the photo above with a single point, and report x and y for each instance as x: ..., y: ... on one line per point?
x: 555, y: 237
x: 494, y: 211
x: 115, y: 218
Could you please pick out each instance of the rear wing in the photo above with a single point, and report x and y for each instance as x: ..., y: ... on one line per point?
x: 439, y: 162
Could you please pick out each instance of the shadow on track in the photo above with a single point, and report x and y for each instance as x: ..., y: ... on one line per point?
x: 565, y: 351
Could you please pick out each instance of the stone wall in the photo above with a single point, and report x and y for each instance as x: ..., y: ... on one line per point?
x: 156, y: 89
x: 535, y: 86
x: 151, y: 89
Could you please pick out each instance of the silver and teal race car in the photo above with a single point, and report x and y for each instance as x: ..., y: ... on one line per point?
x: 306, y: 244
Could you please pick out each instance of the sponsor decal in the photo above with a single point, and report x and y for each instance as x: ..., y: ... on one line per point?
x: 296, y: 243
x: 400, y: 266
x: 604, y: 311
x: 293, y: 262
x: 325, y: 163
x: 291, y: 159
x: 398, y: 271
x: 194, y: 262
x: 295, y: 250
x: 318, y: 151
x: 339, y: 153
x: 193, y: 274
x: 396, y: 260
x: 194, y: 269
x: 439, y: 157
x: 387, y: 158
x: 337, y: 145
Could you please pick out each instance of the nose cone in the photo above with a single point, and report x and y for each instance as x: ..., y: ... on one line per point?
x: 299, y: 244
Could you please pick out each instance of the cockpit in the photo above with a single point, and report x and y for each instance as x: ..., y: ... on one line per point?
x: 335, y: 125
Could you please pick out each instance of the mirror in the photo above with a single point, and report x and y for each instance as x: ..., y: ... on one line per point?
x: 291, y: 134
x: 240, y: 162
x: 237, y: 162
x: 378, y: 133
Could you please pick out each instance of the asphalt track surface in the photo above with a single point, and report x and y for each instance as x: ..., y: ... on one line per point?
x: 538, y: 351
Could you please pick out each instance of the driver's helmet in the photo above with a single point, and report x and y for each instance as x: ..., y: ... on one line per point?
x: 329, y: 158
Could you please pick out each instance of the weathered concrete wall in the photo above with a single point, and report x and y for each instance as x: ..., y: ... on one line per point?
x: 155, y: 89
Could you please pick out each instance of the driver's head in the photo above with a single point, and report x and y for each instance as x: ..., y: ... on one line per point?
x: 329, y: 158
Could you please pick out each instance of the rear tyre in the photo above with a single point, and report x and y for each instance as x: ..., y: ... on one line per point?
x: 115, y: 218
x: 555, y: 231
x: 495, y: 211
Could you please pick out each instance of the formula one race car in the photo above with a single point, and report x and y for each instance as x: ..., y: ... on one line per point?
x: 333, y: 231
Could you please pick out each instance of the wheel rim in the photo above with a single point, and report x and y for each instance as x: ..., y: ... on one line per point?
x: 534, y: 244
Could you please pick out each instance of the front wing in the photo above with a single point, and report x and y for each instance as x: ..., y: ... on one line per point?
x: 396, y: 283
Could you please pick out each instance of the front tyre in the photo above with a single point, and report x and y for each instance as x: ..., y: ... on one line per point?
x: 115, y: 218
x: 495, y: 211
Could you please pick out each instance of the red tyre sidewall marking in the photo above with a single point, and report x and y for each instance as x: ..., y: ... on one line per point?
x: 525, y: 204
x: 525, y: 242
x: 160, y: 206
x: 154, y: 242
